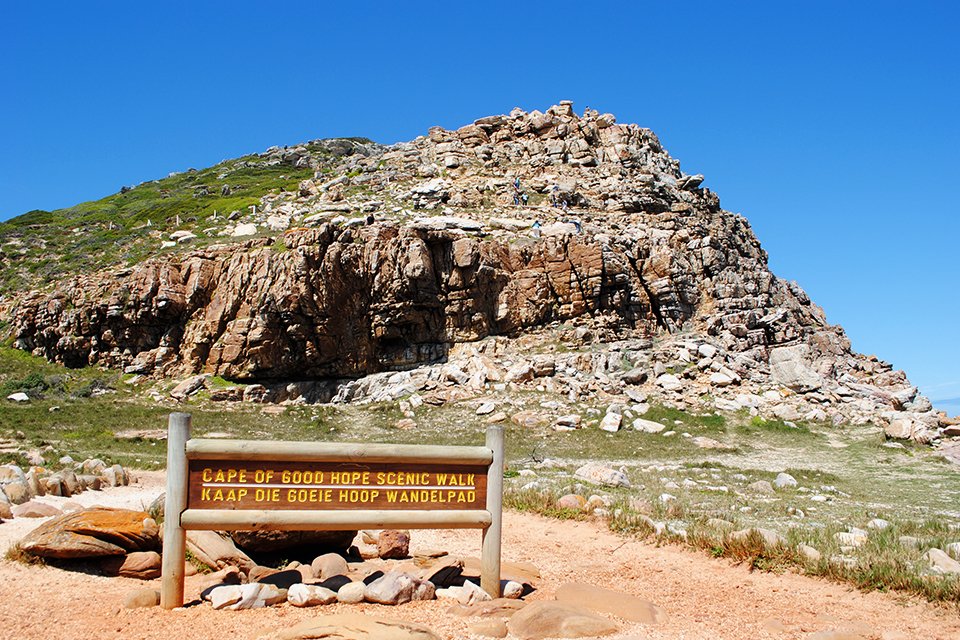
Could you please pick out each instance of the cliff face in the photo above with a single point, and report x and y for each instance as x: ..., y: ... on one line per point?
x: 612, y: 229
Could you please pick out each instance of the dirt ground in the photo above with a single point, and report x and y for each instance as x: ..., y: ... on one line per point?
x: 704, y: 598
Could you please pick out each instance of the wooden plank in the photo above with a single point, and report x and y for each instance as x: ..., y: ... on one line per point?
x: 333, y: 520
x: 233, y: 484
x: 174, y: 536
x: 490, y: 546
x: 281, y: 451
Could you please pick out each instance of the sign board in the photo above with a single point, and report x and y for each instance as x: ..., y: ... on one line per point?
x: 220, y: 484
x: 242, y: 484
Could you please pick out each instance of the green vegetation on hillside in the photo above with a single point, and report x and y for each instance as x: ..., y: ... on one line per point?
x: 40, y: 247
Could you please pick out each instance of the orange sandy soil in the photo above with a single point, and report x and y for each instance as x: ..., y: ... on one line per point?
x: 704, y: 598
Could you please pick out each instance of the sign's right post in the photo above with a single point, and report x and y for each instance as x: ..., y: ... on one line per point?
x: 490, y: 549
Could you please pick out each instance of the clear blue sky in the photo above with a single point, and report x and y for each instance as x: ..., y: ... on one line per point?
x: 832, y: 126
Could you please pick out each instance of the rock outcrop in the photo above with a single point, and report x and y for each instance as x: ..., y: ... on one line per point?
x: 415, y: 248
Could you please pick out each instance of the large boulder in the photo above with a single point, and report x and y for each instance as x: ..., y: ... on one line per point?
x: 548, y: 619
x: 217, y: 550
x: 790, y: 367
x: 293, y: 544
x: 93, y: 533
x: 619, y: 604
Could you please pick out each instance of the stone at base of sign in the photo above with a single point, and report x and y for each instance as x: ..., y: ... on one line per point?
x: 395, y: 588
x: 307, y: 595
x: 247, y: 596
x: 393, y: 544
x: 351, y: 593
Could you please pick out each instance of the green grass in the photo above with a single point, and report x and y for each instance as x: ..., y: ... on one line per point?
x: 40, y: 247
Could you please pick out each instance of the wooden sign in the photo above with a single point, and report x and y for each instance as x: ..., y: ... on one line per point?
x: 219, y: 484
x: 244, y: 484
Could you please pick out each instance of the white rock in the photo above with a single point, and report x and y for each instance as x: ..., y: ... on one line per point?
x: 520, y: 372
x: 485, y: 408
x: 351, y: 593
x: 244, y: 229
x: 224, y: 596
x: 940, y: 562
x: 611, y: 422
x: 707, y: 350
x: 258, y: 595
x: 648, y: 426
x: 784, y: 480
x: 809, y: 553
x: 848, y: 539
x: 599, y: 474
x: 669, y: 382
x: 309, y: 595
x: 720, y: 379
x: 470, y: 593
x: 512, y: 590
x: 19, y: 396
x: 789, y: 367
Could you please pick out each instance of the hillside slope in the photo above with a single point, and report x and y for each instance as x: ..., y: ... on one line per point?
x: 385, y: 258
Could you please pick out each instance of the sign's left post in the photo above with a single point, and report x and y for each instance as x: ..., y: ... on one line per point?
x: 174, y: 536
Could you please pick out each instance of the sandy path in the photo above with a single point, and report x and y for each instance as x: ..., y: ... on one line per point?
x: 704, y: 598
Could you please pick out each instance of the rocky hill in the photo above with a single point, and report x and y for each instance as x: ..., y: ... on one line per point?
x: 553, y: 250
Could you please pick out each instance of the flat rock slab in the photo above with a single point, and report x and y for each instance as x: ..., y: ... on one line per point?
x: 217, y: 550
x: 522, y: 572
x: 548, y: 619
x: 619, y: 604
x: 34, y: 509
x: 353, y: 626
x: 496, y: 608
x: 93, y: 533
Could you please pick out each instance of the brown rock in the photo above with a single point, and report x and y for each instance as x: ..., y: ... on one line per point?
x: 496, y: 608
x: 619, y: 604
x: 6, y: 513
x: 571, y: 501
x: 144, y: 565
x: 522, y: 572
x: 393, y: 544
x: 258, y: 573
x: 329, y: 565
x: 17, y: 492
x: 141, y: 598
x: 489, y: 628
x: 549, y: 619
x: 93, y: 533
x: 217, y: 550
x: 34, y: 509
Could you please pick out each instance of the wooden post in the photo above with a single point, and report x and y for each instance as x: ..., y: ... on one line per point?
x: 174, y: 537
x: 490, y: 549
